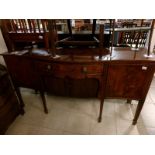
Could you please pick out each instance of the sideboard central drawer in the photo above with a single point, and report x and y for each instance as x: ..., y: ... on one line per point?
x: 43, y: 67
x: 71, y: 70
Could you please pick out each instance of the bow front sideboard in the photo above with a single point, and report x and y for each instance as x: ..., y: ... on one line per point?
x: 126, y: 74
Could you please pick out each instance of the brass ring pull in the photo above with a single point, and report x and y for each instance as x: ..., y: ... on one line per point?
x: 84, y: 69
x: 48, y: 67
x: 144, y: 67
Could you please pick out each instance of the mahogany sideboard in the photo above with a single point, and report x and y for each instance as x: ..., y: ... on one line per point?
x: 126, y: 74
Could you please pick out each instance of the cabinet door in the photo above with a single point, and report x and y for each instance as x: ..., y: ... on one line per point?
x: 129, y: 80
x: 8, y: 112
x: 21, y: 71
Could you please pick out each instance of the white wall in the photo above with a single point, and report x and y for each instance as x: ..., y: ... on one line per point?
x: 3, y: 47
x: 153, y: 40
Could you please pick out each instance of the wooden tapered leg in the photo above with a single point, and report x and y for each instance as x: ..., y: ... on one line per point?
x: 101, y: 109
x: 138, y: 110
x: 44, y: 101
x: 20, y: 100
x: 36, y: 91
x: 128, y: 101
x: 22, y: 111
x: 19, y: 96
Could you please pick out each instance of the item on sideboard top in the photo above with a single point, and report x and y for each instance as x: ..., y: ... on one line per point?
x: 40, y: 52
x: 20, y: 52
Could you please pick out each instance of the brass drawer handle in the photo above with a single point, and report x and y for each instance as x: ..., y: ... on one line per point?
x: 48, y: 67
x: 144, y: 67
x: 40, y: 37
x: 84, y: 70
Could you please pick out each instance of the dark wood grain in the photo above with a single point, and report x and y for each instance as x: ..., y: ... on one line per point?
x: 127, y: 74
x: 9, y: 105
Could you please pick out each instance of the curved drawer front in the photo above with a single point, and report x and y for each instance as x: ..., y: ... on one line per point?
x: 70, y: 70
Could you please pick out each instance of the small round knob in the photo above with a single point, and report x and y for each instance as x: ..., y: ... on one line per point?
x: 144, y: 67
x: 40, y: 37
x: 48, y: 67
x: 84, y: 69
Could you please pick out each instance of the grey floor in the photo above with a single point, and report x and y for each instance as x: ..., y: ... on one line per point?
x: 73, y: 116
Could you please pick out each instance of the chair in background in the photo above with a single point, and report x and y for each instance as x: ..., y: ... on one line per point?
x: 74, y: 41
x: 80, y: 39
x: 24, y: 31
x: 144, y: 34
x: 134, y: 38
x: 127, y: 38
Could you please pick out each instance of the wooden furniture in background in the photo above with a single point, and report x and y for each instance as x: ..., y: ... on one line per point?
x: 74, y: 41
x: 28, y: 31
x: 133, y: 34
x: 9, y: 105
x: 127, y: 38
x: 25, y: 33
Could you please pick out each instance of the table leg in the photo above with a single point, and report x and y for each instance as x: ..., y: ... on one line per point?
x: 19, y: 96
x: 138, y: 110
x: 128, y: 101
x: 20, y: 100
x: 44, y: 101
x: 101, y: 109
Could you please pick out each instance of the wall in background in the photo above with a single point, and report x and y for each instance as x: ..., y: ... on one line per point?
x: 153, y: 40
x: 3, y: 47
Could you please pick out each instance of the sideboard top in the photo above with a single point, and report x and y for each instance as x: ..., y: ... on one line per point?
x: 87, y: 55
